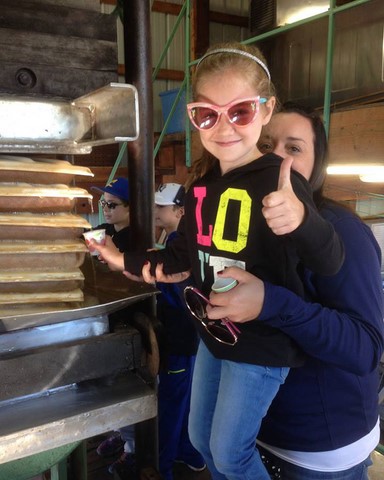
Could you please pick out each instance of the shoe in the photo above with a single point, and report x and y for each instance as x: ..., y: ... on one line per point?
x: 124, y: 464
x: 193, y: 467
x: 110, y: 447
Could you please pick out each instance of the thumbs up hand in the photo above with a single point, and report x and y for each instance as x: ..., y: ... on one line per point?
x: 282, y: 210
x: 285, y: 174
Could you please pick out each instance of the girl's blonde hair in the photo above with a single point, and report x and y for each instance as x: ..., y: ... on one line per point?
x: 220, y: 58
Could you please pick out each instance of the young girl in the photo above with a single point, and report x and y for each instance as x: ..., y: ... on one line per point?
x: 223, y: 225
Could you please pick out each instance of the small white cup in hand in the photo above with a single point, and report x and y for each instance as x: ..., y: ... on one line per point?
x: 96, y: 235
x: 223, y: 284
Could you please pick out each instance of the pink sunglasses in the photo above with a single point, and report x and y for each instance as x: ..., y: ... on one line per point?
x: 224, y: 331
x: 241, y: 113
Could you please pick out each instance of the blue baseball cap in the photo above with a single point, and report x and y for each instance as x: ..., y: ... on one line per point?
x: 119, y: 187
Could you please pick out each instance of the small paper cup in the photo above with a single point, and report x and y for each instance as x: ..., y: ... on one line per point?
x: 98, y: 236
x: 224, y: 284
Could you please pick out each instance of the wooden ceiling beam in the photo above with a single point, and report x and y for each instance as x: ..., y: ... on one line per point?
x: 162, y: 74
x: 161, y: 6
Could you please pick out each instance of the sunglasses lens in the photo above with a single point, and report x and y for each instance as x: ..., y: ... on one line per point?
x: 221, y: 333
x: 243, y: 113
x: 204, y: 117
x: 195, y: 304
x: 109, y: 205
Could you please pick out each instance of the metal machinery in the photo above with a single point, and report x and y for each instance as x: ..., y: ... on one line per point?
x: 65, y: 376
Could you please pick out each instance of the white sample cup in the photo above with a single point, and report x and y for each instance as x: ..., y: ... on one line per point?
x: 98, y: 236
x: 223, y: 284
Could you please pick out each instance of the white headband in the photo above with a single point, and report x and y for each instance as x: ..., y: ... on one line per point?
x: 237, y: 52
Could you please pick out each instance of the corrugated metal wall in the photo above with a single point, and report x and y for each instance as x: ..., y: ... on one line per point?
x: 298, y: 57
x: 161, y: 28
x: 221, y: 33
x: 162, y: 25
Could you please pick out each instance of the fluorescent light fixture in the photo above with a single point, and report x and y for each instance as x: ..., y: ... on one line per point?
x: 355, y: 169
x: 305, y: 12
x: 372, y: 178
x: 367, y: 173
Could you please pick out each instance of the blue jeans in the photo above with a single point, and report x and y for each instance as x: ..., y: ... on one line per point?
x: 228, y: 402
x: 281, y: 470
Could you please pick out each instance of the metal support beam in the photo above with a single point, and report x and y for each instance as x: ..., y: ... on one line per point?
x: 138, y: 69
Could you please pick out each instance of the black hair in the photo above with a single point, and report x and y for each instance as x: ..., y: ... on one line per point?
x: 320, y: 144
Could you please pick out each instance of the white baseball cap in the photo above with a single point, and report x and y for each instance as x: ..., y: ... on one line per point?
x: 170, y: 194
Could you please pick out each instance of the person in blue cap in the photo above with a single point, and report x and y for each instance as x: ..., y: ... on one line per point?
x: 115, y: 205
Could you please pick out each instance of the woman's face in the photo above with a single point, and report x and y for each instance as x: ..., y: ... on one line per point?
x: 233, y: 146
x: 290, y: 134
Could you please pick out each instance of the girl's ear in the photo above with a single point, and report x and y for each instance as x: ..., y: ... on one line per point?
x: 269, y: 106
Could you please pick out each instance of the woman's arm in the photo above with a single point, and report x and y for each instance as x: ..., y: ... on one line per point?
x: 344, y: 327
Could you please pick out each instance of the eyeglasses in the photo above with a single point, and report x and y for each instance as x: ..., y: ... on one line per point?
x: 109, y: 205
x: 241, y: 113
x: 222, y: 330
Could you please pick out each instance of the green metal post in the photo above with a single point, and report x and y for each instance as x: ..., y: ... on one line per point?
x: 174, y: 105
x: 169, y: 41
x: 181, y: 15
x: 79, y: 463
x: 59, y: 471
x: 291, y: 26
x: 380, y: 449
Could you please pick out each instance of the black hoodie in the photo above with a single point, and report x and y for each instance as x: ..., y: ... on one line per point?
x: 223, y: 224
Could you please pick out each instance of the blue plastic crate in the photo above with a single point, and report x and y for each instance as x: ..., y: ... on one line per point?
x: 177, y: 122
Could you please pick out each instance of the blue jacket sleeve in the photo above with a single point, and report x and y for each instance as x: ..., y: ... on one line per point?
x: 319, y: 247
x: 345, y: 325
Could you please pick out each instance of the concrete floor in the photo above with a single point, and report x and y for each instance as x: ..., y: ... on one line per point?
x: 376, y: 472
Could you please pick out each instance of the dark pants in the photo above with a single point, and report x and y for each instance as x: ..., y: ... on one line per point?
x: 281, y: 470
x: 174, y: 396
